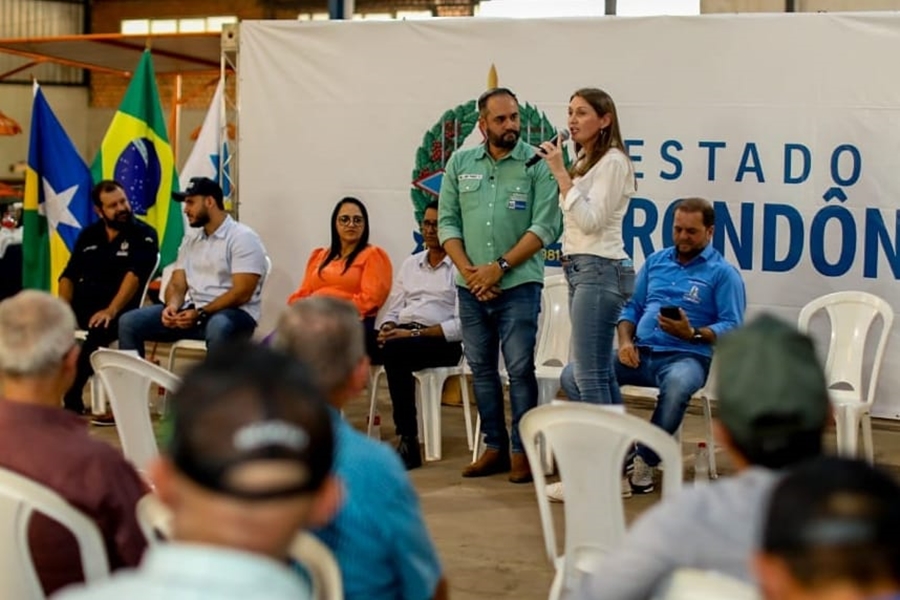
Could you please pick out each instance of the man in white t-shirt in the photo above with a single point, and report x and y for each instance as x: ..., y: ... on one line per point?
x: 215, y: 290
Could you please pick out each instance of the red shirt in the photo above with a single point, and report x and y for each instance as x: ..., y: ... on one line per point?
x: 52, y: 447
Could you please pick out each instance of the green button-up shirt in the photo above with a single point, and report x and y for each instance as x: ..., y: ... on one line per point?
x: 490, y: 205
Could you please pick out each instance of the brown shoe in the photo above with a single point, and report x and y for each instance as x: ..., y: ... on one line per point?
x: 520, y: 472
x: 490, y: 463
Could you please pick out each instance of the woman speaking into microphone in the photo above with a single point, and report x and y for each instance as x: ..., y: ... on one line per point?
x: 593, y: 196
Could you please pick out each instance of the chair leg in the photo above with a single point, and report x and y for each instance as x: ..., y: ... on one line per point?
x: 373, y: 397
x: 431, y: 435
x: 547, y: 389
x: 434, y: 388
x: 98, y: 397
x: 467, y: 410
x: 710, y: 438
x: 868, y: 446
x: 479, y: 439
x: 847, y: 427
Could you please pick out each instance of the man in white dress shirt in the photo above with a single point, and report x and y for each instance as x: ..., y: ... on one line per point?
x: 419, y: 329
x: 215, y: 292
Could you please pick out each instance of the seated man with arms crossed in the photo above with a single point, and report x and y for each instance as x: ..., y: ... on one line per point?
x: 419, y: 329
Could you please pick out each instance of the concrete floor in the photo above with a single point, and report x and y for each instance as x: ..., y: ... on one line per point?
x: 488, y: 530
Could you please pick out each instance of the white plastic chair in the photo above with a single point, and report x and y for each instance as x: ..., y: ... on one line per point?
x: 589, y: 443
x: 200, y: 345
x: 321, y: 565
x: 98, y: 401
x: 429, y: 389
x: 155, y: 520
x: 851, y: 316
x: 21, y: 497
x: 126, y: 378
x: 697, y: 584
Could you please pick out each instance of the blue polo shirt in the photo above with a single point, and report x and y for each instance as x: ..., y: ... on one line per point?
x: 709, y: 289
x: 378, y: 536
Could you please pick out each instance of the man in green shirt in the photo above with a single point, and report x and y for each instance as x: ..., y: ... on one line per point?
x: 495, y: 214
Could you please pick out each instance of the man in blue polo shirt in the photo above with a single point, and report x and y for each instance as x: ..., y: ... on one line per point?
x: 704, y: 298
x: 378, y: 535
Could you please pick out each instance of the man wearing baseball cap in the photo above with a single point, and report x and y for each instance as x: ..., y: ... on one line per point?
x: 832, y: 532
x: 773, y: 408
x: 248, y: 464
x: 214, y: 293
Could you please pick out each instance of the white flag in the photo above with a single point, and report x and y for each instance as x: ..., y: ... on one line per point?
x: 211, y: 148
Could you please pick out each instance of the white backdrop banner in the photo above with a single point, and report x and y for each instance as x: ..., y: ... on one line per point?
x: 789, y: 123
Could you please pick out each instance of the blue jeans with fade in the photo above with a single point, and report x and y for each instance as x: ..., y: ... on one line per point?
x: 678, y: 375
x: 136, y: 327
x: 598, y: 288
x: 508, y: 321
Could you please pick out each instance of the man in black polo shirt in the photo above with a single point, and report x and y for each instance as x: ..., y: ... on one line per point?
x: 107, y: 271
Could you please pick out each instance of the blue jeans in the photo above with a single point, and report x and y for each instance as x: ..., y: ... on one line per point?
x: 678, y: 375
x: 510, y: 321
x: 598, y: 288
x: 136, y: 327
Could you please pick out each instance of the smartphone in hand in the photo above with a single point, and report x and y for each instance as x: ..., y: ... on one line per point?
x: 671, y: 312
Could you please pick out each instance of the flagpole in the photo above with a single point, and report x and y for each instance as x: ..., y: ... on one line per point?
x: 176, y: 134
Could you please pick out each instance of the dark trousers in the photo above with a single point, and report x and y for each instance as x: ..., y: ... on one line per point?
x: 401, y: 358
x: 97, y: 337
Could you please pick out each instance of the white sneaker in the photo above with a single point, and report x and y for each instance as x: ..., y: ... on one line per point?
x: 642, y: 477
x: 554, y: 492
x: 626, y: 488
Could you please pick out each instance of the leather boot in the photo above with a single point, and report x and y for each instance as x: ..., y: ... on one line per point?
x: 490, y: 463
x: 409, y: 452
x: 520, y: 472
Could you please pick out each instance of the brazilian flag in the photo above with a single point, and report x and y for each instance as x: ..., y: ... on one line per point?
x: 136, y: 153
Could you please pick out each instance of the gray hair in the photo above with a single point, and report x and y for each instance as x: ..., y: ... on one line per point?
x: 326, y: 334
x: 36, y: 332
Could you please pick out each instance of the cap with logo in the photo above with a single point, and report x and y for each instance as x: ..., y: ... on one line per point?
x: 200, y: 186
x: 250, y: 422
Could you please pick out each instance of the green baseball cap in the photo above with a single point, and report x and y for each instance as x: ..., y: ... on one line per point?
x: 771, y: 384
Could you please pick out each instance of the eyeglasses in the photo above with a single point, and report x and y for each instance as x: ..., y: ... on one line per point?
x: 347, y: 219
x: 429, y: 225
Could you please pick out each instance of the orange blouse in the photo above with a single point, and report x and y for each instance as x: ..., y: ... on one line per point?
x: 366, y: 283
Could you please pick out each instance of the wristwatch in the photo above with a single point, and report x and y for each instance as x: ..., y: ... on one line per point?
x: 202, y: 316
x: 415, y: 333
x: 696, y: 336
x: 504, y: 264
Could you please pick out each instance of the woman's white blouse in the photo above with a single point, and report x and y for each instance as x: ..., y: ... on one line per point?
x: 594, y: 207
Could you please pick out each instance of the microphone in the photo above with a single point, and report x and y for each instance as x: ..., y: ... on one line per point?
x: 561, y: 136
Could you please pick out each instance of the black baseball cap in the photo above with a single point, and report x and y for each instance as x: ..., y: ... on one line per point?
x: 250, y: 422
x: 200, y: 186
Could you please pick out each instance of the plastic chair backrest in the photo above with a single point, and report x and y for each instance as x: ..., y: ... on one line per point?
x: 127, y: 379
x: 321, y: 565
x: 149, y: 279
x: 852, y: 315
x: 556, y: 329
x: 154, y: 518
x: 697, y: 584
x: 21, y: 497
x: 589, y: 443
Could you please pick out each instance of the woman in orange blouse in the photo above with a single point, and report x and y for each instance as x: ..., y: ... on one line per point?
x: 350, y: 268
